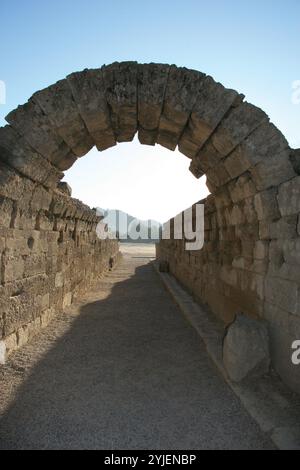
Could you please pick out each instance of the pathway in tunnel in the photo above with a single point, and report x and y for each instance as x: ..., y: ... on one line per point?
x: 121, y: 370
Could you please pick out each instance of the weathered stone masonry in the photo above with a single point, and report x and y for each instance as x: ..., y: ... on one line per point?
x: 49, y: 253
x: 251, y: 259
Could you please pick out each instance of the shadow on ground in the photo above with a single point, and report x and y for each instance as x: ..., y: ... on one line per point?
x: 130, y: 373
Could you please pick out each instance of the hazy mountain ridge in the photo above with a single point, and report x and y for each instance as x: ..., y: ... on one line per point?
x: 127, y: 227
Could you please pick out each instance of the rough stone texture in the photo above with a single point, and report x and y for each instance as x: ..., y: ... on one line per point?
x: 88, y: 91
x: 212, y: 103
x: 289, y: 197
x: 17, y: 154
x: 32, y: 123
x: 49, y: 254
x: 120, y: 82
x: 246, y: 349
x: 64, y: 188
x: 236, y: 126
x: 180, y: 97
x: 152, y: 82
x: 58, y: 104
x: 250, y: 261
x: 247, y: 265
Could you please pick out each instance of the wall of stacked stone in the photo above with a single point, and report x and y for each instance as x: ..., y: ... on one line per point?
x: 49, y: 254
x: 249, y: 263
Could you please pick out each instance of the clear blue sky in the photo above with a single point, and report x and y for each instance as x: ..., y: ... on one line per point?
x: 249, y: 45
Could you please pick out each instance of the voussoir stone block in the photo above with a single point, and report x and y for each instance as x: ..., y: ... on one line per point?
x: 89, y: 93
x: 31, y: 122
x: 120, y: 82
x: 19, y: 155
x: 152, y: 82
x: 180, y: 97
x: 236, y: 126
x: 266, y: 154
x: 246, y: 349
x: 236, y: 163
x: 218, y: 175
x: 58, y: 104
x: 208, y: 157
x: 212, y: 103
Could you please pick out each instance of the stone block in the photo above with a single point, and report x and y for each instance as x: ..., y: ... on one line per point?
x: 2, y: 352
x: 67, y: 300
x: 120, y: 82
x: 261, y: 250
x: 13, y: 186
x: 89, y: 93
x: 247, y: 232
x: 180, y: 96
x: 35, y: 264
x: 283, y: 293
x: 22, y: 336
x: 15, y: 151
x: 43, y: 302
x: 13, y: 267
x: 152, y: 82
x: 236, y: 126
x: 242, y: 188
x: 59, y: 280
x: 291, y: 251
x: 266, y: 205
x: 47, y: 317
x: 236, y: 163
x: 32, y: 123
x: 246, y: 349
x: 41, y: 199
x: 6, y: 211
x: 285, y: 228
x: 218, y: 175
x: 59, y: 106
x: 273, y: 171
x: 212, y: 103
x: 289, y: 197
x: 11, y: 344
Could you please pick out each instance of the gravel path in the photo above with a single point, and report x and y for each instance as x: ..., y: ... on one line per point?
x: 121, y: 370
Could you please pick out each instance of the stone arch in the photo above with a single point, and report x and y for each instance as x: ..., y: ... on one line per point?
x: 251, y: 258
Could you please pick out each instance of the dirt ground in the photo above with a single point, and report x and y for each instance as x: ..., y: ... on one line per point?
x: 121, y: 369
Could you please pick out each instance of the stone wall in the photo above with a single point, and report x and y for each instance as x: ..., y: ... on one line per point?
x: 49, y: 254
x: 249, y: 264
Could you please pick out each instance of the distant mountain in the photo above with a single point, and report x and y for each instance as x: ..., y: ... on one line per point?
x: 130, y: 229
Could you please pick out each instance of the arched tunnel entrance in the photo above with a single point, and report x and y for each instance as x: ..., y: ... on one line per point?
x: 49, y: 250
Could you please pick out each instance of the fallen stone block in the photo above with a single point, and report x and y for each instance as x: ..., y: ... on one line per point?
x: 246, y: 349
